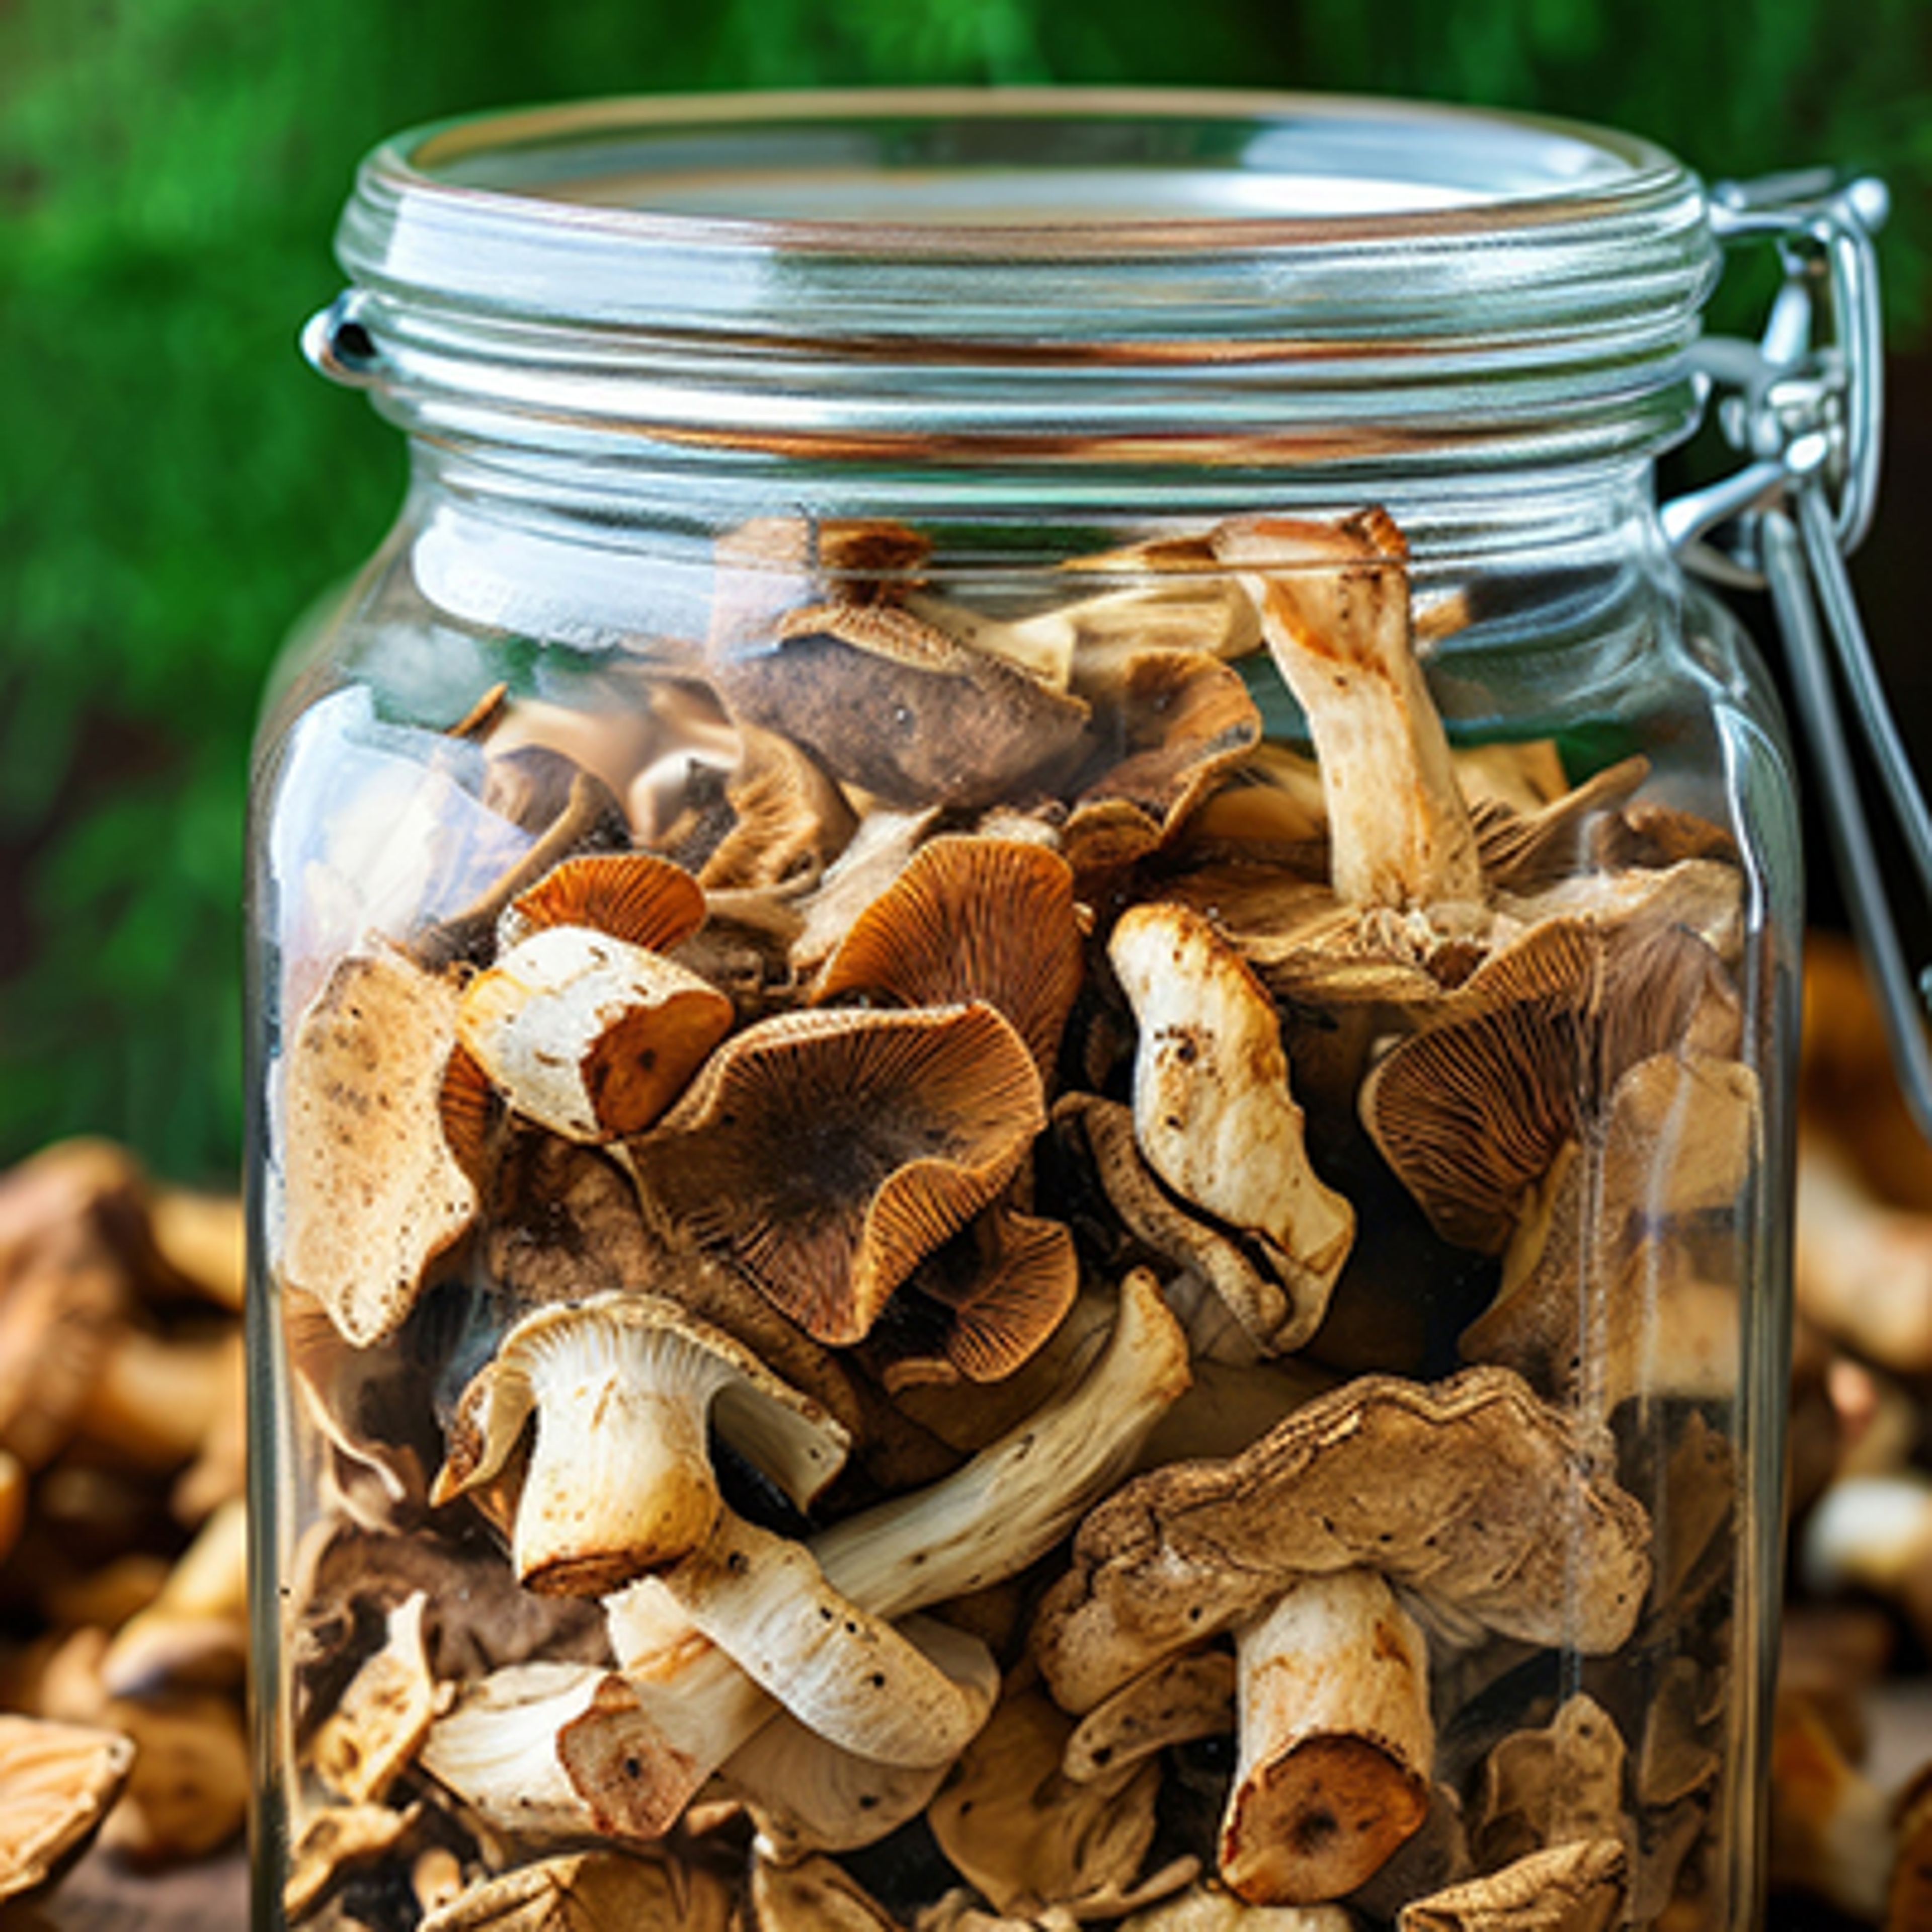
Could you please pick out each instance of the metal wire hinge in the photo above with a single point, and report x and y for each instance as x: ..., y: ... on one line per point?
x: 1804, y: 404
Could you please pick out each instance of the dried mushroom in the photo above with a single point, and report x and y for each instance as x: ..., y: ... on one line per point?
x: 815, y: 1894
x: 336, y: 1842
x: 620, y: 1480
x: 57, y: 1782
x: 824, y: 1155
x: 371, y: 1193
x: 1181, y: 1698
x: 1208, y: 1908
x: 378, y: 1725
x: 1573, y: 1888
x: 590, y: 1891
x: 1550, y: 1787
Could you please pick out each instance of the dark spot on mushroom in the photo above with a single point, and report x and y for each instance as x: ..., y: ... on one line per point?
x: 634, y: 1768
x: 877, y: 1680
x: 1314, y: 1831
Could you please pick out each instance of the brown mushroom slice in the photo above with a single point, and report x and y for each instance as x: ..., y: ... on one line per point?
x: 887, y: 701
x: 825, y: 1154
x: 970, y: 919
x: 805, y: 1794
x: 619, y: 1481
x: 1029, y: 1839
x: 1213, y: 1113
x: 647, y: 901
x: 1472, y: 1493
x: 1550, y: 1785
x: 1336, y: 1741
x: 1470, y: 1111
x: 1528, y: 847
x: 57, y: 1781
x: 337, y: 1841
x: 372, y: 1195
x: 880, y: 850
x: 1181, y: 1699
x: 985, y: 1522
x: 790, y: 819
x: 378, y: 1725
x: 592, y: 1891
x: 187, y: 1794
x: 1167, y: 725
x: 1676, y: 1758
x: 587, y: 1036
x: 1588, y: 1299
x: 980, y: 1307
x: 1574, y: 1887
x: 1334, y: 605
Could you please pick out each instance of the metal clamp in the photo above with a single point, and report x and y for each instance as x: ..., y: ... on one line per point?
x: 1804, y: 404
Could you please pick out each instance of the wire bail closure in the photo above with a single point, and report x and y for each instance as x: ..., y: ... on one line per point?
x: 1805, y: 404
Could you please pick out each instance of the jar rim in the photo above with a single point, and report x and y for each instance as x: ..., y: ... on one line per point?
x: 1147, y: 275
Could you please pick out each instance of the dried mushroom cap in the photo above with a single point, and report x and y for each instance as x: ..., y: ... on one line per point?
x: 1166, y: 725
x: 1551, y: 1786
x: 647, y: 902
x: 880, y: 850
x: 980, y: 1306
x: 1573, y: 1888
x: 815, y: 1895
x: 1213, y: 1111
x: 337, y: 1841
x: 1029, y: 1839
x: 790, y: 821
x: 589, y: 1036
x: 57, y: 1782
x: 1182, y: 1699
x: 887, y: 701
x: 187, y: 1793
x: 620, y: 1482
x: 1528, y: 847
x: 825, y: 1154
x: 970, y: 919
x: 1470, y: 1111
x: 1336, y: 1741
x: 1470, y: 1492
x: 1334, y: 605
x: 372, y: 1194
x: 378, y: 1725
x: 592, y: 1891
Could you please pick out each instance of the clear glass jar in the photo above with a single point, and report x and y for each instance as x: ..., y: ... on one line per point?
x: 1154, y: 605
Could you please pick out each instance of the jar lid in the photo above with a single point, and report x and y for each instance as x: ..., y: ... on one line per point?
x: 1075, y: 274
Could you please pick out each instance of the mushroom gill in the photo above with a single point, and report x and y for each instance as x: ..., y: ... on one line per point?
x: 825, y: 1154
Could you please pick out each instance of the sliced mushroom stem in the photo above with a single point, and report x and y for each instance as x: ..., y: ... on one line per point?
x: 1336, y: 1741
x: 1334, y: 605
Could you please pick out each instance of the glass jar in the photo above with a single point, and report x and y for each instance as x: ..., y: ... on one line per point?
x: 1155, y: 605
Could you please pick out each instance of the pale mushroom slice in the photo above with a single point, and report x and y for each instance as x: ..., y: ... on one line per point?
x: 805, y: 1794
x: 790, y: 820
x: 622, y: 1387
x: 1471, y: 1494
x: 1207, y: 1907
x: 1573, y: 1888
x: 372, y: 1195
x: 971, y: 918
x: 1336, y: 1740
x: 1549, y: 1785
x: 590, y: 1037
x: 1181, y: 1699
x: 57, y: 1781
x: 881, y: 849
x: 1213, y: 1111
x: 814, y: 1894
x: 373, y: 1734
x: 825, y: 1154
x: 592, y: 1891
x: 339, y: 1839
x: 1030, y: 1840
x: 1333, y: 600
x: 987, y: 1522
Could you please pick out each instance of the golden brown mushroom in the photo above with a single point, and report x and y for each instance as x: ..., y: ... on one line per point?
x: 591, y: 1891
x: 57, y: 1782
x: 824, y: 1155
x: 1572, y: 1887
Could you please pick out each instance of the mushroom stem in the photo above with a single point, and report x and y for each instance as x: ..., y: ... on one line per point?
x: 1336, y: 1741
x: 1334, y: 606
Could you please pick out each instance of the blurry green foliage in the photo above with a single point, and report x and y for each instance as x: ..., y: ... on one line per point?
x: 174, y: 486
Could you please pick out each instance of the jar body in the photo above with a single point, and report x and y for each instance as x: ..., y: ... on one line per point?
x: 996, y: 1187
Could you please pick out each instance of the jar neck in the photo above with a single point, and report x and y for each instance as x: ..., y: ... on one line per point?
x: 599, y: 556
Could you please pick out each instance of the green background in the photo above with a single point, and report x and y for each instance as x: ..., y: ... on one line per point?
x: 175, y: 487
